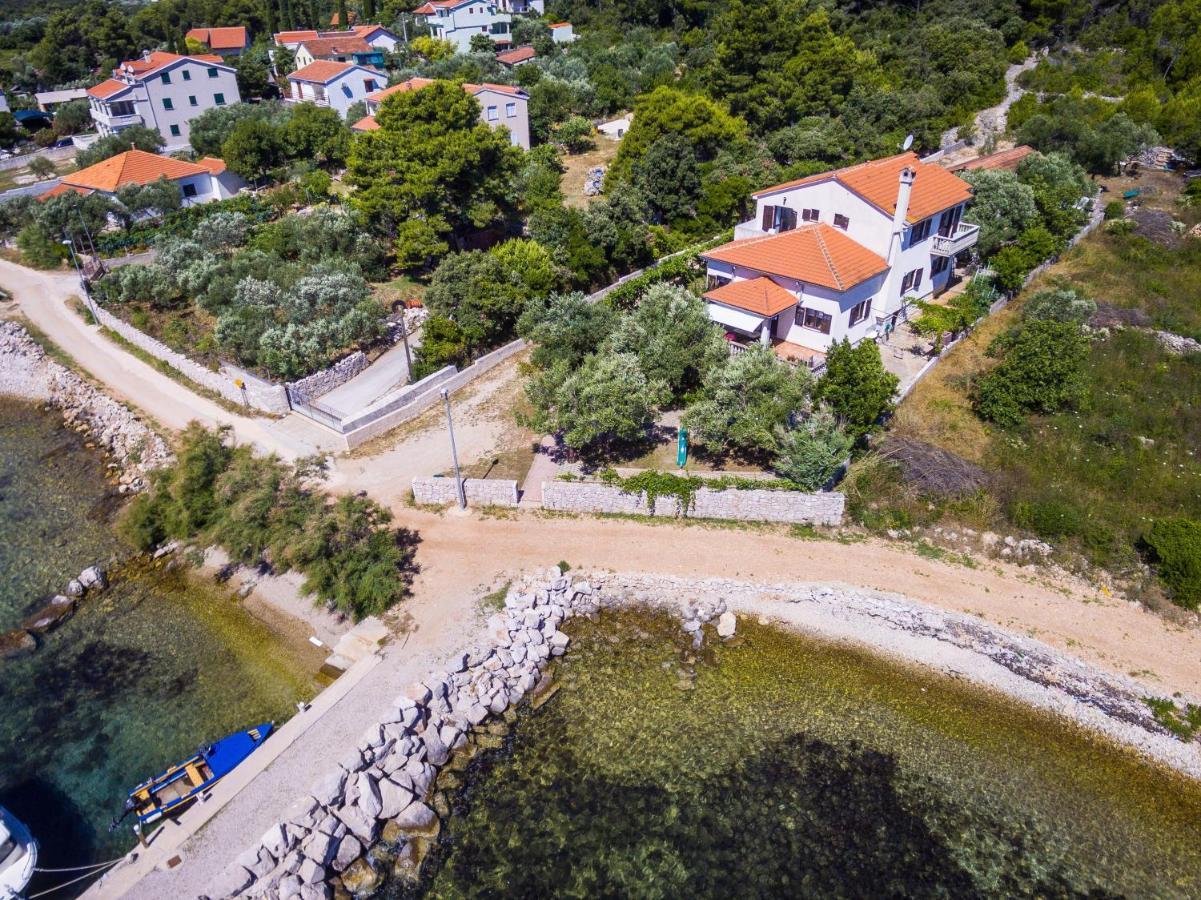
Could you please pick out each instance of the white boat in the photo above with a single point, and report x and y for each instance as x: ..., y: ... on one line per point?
x: 18, y: 855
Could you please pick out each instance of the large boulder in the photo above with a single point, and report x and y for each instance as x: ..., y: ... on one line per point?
x: 727, y: 623
x: 435, y: 749
x: 330, y: 790
x: 16, y: 643
x: 50, y: 615
x: 93, y: 579
x: 349, y: 849
x: 416, y: 818
x: 394, y: 798
x: 369, y: 796
x: 360, y: 878
x: 232, y: 880
x: 360, y: 825
x: 311, y: 871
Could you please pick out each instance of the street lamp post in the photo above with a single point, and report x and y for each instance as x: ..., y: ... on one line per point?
x: 454, y: 453
x: 83, y: 282
x: 404, y: 336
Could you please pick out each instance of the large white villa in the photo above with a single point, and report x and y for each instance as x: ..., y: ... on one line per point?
x: 164, y: 91
x: 840, y: 254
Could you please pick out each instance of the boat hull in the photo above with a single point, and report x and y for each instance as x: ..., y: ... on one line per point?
x: 176, y: 788
x: 18, y: 855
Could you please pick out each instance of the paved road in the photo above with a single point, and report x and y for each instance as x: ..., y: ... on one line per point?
x: 391, y: 370
x: 43, y: 296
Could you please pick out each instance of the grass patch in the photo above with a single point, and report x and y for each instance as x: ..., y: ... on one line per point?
x: 495, y: 601
x: 577, y: 166
x: 1183, y: 723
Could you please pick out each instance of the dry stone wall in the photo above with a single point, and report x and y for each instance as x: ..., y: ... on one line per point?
x: 319, y: 383
x: 478, y: 491
x: 743, y: 505
x: 262, y: 395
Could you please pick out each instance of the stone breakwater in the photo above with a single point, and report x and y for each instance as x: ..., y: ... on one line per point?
x: 381, y: 802
x: 134, y: 449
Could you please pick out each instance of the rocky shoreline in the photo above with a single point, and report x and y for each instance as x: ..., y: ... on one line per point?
x: 381, y: 808
x: 132, y: 447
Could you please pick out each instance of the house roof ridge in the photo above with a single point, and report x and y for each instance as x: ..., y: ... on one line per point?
x: 821, y: 245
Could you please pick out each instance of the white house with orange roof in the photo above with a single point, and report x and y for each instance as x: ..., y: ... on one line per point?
x: 229, y: 41
x: 458, y: 21
x: 501, y: 105
x: 338, y: 85
x: 562, y: 33
x: 203, y: 181
x: 163, y: 91
x: 376, y: 36
x: 840, y: 254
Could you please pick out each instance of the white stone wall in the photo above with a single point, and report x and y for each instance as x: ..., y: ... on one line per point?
x: 478, y: 491
x: 749, y: 506
x: 261, y: 395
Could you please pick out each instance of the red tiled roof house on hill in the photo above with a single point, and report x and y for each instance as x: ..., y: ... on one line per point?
x: 338, y: 85
x: 231, y: 41
x: 840, y: 254
x: 458, y: 21
x: 500, y: 104
x: 200, y: 182
x: 163, y: 91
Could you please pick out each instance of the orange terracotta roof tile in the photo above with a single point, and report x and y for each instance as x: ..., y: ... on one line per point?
x: 561, y: 25
x: 516, y: 55
x: 135, y: 167
x: 295, y: 37
x: 333, y: 46
x: 432, y: 5
x: 761, y: 296
x: 365, y: 31
x: 403, y: 87
x: 107, y: 89
x: 815, y: 254
x: 1006, y: 159
x: 322, y: 71
x: 489, y: 86
x: 62, y: 188
x: 934, y: 188
x: 234, y: 37
x: 213, y: 165
x: 367, y: 123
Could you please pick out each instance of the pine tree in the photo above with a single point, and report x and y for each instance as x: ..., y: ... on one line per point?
x: 343, y: 16
x: 272, y: 24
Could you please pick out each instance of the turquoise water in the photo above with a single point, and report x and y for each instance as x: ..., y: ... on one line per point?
x: 141, y: 675
x: 779, y: 766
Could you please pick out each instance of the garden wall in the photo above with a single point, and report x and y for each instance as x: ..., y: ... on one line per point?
x: 479, y: 491
x: 383, y: 418
x: 319, y: 383
x: 260, y: 394
x: 743, y: 505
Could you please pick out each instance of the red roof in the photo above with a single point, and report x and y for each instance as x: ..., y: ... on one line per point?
x: 365, y: 31
x: 106, y: 89
x: 761, y: 296
x: 138, y: 167
x: 1005, y: 159
x: 416, y: 84
x: 489, y: 86
x: 815, y: 254
x: 160, y: 59
x: 934, y: 188
x: 516, y: 55
x: 561, y: 25
x: 63, y: 188
x: 319, y: 48
x: 324, y: 71
x: 367, y: 123
x: 295, y: 37
x: 234, y: 37
x: 431, y: 6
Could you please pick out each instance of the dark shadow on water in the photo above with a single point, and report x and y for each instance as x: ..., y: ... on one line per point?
x: 64, y: 838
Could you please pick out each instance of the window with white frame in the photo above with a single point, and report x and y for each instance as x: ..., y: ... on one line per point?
x: 860, y: 311
x: 810, y: 215
x: 493, y: 114
x: 511, y: 110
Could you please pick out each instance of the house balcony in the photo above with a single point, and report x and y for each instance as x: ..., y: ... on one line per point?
x: 749, y: 229
x: 960, y: 239
x: 115, y: 122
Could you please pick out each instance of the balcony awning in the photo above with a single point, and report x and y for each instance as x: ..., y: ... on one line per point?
x: 747, y: 323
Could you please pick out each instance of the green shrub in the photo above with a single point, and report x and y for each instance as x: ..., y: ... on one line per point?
x: 1041, y: 370
x: 1061, y: 305
x: 1049, y: 519
x: 1115, y: 209
x: 39, y: 249
x: 1173, y: 547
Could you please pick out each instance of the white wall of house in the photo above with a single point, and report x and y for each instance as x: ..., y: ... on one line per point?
x: 205, y: 188
x: 498, y: 108
x: 341, y: 92
x: 383, y: 40
x: 564, y: 34
x: 168, y: 99
x: 461, y: 23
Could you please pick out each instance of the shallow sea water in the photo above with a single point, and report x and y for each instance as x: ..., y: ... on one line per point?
x: 780, y: 766
x: 139, y: 678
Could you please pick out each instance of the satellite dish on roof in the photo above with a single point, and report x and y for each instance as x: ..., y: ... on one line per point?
x: 908, y: 142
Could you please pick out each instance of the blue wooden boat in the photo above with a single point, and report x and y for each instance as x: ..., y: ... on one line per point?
x: 175, y: 788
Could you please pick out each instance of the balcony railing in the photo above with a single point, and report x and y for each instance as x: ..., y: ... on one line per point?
x: 961, y: 238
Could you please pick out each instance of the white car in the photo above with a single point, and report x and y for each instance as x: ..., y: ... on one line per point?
x: 18, y: 855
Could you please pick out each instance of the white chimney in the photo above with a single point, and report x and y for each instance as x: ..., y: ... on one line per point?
x: 904, y: 189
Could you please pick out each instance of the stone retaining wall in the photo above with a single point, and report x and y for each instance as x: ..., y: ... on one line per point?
x: 326, y: 380
x: 260, y: 394
x: 748, y: 506
x: 364, y: 428
x: 479, y: 491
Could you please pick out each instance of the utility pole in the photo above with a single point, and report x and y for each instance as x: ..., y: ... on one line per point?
x: 83, y: 282
x: 404, y: 336
x: 454, y: 453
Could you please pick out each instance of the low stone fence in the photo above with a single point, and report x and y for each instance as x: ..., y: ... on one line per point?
x: 743, y: 505
x: 260, y: 394
x: 319, y: 383
x: 478, y: 491
x: 387, y: 415
x: 51, y: 153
